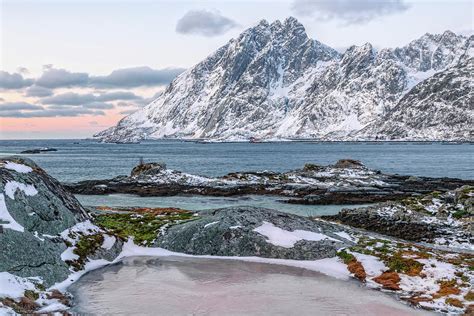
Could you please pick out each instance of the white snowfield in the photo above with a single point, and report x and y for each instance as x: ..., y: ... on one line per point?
x: 287, y: 239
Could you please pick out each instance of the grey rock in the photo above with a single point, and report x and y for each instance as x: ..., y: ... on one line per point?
x: 36, y: 251
x: 229, y: 232
x: 25, y: 255
x: 149, y: 169
x: 441, y: 218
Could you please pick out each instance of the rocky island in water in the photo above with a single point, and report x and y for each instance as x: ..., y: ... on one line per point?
x: 416, y: 242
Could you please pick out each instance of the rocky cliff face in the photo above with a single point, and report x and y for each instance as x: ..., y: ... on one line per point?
x: 274, y: 82
x: 446, y: 101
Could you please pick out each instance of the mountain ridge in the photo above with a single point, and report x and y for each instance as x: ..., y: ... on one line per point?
x: 274, y: 82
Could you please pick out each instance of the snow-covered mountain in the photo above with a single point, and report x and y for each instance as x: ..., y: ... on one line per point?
x: 273, y: 81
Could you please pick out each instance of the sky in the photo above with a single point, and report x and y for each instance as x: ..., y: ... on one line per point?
x: 71, y: 68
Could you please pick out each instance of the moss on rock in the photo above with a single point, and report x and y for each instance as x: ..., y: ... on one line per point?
x: 144, y: 228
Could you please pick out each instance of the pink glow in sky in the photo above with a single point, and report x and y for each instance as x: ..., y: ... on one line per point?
x: 56, y: 127
x: 82, y: 41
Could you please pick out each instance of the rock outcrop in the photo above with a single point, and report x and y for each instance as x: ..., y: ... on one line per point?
x: 445, y: 219
x: 235, y: 232
x: 346, y: 182
x: 34, y: 210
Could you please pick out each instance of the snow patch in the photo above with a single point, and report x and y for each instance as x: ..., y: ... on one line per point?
x: 69, y: 254
x: 287, y: 239
x: 17, y: 167
x: 345, y: 236
x: 14, y: 286
x: 6, y: 217
x: 12, y: 186
x: 85, y: 227
x: 210, y: 224
x: 109, y: 242
x: 372, y: 265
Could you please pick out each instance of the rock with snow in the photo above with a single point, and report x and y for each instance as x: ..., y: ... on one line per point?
x: 445, y: 219
x: 274, y: 82
x: 346, y: 182
x: 34, y: 209
x: 252, y: 231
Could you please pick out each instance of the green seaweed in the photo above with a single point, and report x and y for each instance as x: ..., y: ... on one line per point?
x: 144, y: 228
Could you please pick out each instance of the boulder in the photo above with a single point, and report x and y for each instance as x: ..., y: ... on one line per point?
x: 148, y: 169
x: 349, y: 163
x: 34, y: 210
x: 234, y: 231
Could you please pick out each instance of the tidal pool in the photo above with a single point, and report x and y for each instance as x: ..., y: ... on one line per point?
x: 192, y: 286
x: 198, y: 203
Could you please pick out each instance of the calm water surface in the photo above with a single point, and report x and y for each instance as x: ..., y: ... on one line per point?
x: 79, y: 159
x: 188, y: 286
x: 198, y: 203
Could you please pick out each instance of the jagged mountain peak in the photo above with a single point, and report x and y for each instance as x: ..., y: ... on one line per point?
x: 274, y: 81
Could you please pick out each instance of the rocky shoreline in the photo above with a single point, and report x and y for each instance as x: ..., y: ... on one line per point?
x: 345, y: 182
x: 48, y: 240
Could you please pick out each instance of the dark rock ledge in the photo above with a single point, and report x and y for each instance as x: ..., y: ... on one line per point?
x: 346, y: 182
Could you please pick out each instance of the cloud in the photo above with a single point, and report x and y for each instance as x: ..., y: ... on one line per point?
x: 27, y: 110
x: 13, y: 106
x: 53, y: 78
x: 56, y: 78
x: 69, y: 98
x: 13, y: 80
x: 98, y: 105
x: 136, y: 77
x: 72, y: 98
x: 348, y: 11
x: 36, y: 91
x: 206, y: 23
x: 51, y: 113
x: 118, y: 95
x: 23, y: 70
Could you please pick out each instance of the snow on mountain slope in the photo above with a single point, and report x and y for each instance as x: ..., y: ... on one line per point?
x: 273, y: 81
x: 438, y: 108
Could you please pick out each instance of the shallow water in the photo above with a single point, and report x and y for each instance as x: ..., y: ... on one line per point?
x: 197, y: 203
x: 80, y: 160
x: 191, y: 286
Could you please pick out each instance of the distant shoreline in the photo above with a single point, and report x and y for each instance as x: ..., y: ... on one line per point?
x: 212, y: 141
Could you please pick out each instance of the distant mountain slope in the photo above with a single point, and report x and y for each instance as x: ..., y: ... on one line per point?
x: 440, y: 107
x: 274, y: 82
